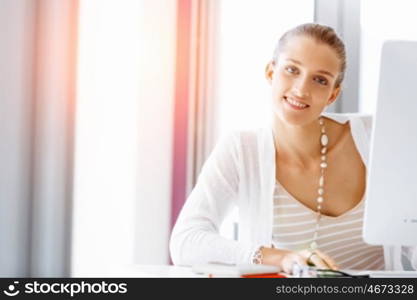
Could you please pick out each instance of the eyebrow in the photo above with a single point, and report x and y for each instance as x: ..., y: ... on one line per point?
x: 319, y: 71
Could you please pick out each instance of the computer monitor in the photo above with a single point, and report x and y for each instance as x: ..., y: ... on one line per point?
x: 391, y: 199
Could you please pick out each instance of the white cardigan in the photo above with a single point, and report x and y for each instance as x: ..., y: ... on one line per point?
x: 241, y: 171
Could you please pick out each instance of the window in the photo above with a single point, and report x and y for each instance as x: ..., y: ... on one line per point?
x: 381, y: 20
x: 122, y: 187
x: 249, y: 31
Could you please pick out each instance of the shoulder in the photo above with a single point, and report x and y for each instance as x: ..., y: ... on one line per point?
x: 246, y: 137
x: 366, y: 120
x: 245, y: 143
x: 358, y: 121
x: 344, y: 117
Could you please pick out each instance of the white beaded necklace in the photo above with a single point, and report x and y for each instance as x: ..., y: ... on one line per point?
x: 324, y: 141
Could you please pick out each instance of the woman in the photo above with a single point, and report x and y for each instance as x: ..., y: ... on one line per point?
x: 299, y: 186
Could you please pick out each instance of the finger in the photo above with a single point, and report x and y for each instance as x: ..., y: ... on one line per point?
x: 289, y: 261
x: 308, y: 255
x: 327, y: 259
x: 287, y: 266
x: 300, y: 260
x: 304, y: 253
x: 318, y: 261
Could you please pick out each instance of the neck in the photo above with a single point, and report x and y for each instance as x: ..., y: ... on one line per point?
x: 297, y: 145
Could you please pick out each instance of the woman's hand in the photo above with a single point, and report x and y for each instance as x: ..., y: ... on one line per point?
x: 285, y: 259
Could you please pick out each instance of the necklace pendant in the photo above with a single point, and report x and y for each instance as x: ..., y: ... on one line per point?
x: 324, y: 140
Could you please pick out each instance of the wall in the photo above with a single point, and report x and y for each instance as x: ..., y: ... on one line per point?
x: 16, y: 23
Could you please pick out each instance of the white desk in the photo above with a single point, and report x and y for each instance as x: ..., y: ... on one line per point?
x: 141, y: 271
x: 388, y: 274
x: 166, y: 271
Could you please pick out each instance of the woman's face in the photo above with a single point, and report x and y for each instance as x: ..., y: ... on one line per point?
x: 303, y: 80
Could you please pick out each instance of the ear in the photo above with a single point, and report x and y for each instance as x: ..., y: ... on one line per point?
x: 269, y: 71
x: 334, y: 95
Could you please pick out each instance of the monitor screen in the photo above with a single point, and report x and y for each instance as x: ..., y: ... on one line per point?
x: 391, y: 202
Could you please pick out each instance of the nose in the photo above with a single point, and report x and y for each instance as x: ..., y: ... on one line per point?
x: 300, y: 88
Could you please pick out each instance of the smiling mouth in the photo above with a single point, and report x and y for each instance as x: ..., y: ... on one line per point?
x: 295, y: 104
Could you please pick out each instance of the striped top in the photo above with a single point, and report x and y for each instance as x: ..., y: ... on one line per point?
x: 340, y: 237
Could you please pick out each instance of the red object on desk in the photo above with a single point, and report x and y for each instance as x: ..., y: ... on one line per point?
x: 272, y: 275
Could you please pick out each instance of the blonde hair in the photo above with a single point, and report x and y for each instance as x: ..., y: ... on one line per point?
x: 321, y: 34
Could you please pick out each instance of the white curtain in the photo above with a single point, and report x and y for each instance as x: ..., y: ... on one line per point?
x: 203, y: 104
x: 37, y: 101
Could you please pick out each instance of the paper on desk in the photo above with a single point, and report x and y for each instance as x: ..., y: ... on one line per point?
x: 220, y: 269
